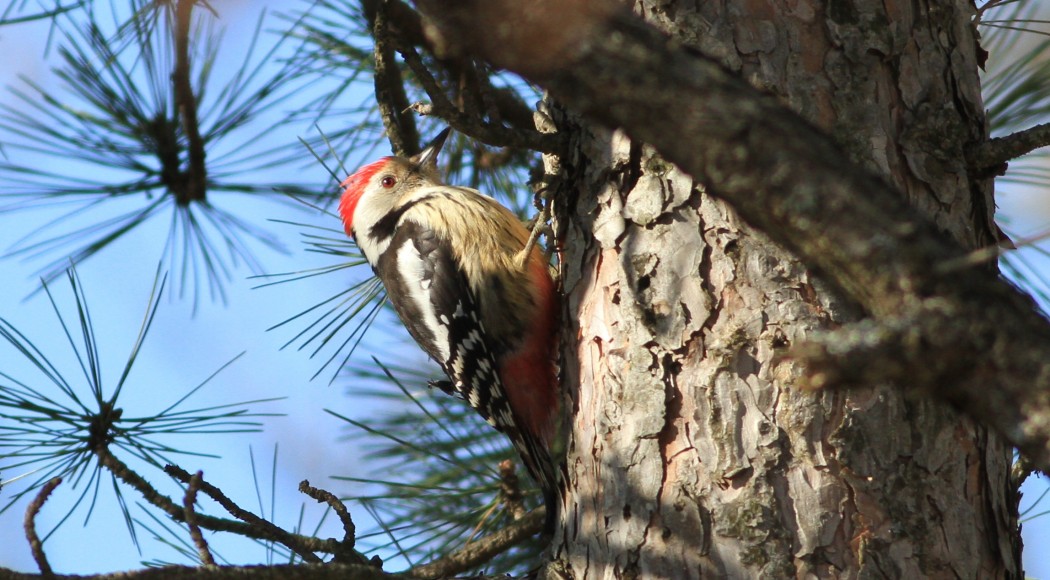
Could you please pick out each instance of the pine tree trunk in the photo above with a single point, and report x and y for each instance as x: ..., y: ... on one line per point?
x: 692, y: 453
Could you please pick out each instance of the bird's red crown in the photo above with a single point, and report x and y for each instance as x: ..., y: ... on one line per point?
x: 354, y: 188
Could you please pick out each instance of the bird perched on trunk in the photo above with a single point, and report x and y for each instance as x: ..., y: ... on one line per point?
x: 454, y: 267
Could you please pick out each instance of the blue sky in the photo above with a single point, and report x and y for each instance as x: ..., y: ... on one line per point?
x: 185, y: 348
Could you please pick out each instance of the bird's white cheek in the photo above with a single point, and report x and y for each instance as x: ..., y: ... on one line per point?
x: 365, y: 217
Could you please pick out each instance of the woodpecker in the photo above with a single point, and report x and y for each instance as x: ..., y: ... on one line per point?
x: 453, y: 264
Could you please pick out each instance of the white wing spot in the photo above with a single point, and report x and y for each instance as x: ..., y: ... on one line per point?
x: 410, y: 268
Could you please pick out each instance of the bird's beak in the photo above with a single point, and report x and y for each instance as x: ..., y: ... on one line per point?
x: 427, y: 158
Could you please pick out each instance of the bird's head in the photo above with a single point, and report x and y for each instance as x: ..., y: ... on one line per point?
x: 379, y: 188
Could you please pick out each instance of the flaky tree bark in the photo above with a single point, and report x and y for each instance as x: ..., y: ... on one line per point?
x: 694, y: 454
x: 933, y: 321
x: 693, y: 451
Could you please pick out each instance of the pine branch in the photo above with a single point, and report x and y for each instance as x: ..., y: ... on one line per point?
x: 349, y: 529
x: 29, y: 524
x: 191, y: 520
x: 405, y: 24
x: 477, y: 553
x: 489, y: 133
x: 260, y: 528
x: 195, y: 185
x: 390, y: 90
x: 993, y: 154
x: 250, y: 526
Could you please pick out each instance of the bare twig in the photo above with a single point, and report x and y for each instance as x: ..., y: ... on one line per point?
x: 541, y: 222
x: 324, y: 496
x: 194, y: 186
x: 390, y: 90
x: 305, y: 546
x: 261, y: 527
x: 404, y: 23
x: 994, y: 153
x: 483, y: 550
x: 191, y: 520
x: 35, y: 545
x: 491, y: 134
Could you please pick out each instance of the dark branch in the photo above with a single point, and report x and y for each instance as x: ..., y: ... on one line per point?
x: 150, y: 494
x: 791, y: 181
x: 191, y: 520
x: 255, y: 526
x: 29, y: 524
x: 406, y: 25
x: 512, y: 109
x: 993, y: 154
x: 402, y: 20
x: 390, y: 90
x: 195, y: 185
x: 477, y: 553
x: 305, y: 546
x: 323, y: 496
x: 489, y: 133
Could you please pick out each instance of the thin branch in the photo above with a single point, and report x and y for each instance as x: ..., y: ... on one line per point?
x: 35, y: 545
x: 468, y: 89
x: 191, y: 520
x: 193, y: 189
x: 541, y: 222
x: 405, y: 24
x: 512, y: 108
x: 265, y: 529
x: 994, y: 153
x: 491, y: 134
x: 159, y: 500
x: 305, y: 546
x: 324, y: 496
x: 477, y: 553
x: 390, y: 90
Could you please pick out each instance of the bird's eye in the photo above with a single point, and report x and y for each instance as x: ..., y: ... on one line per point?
x: 388, y: 181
